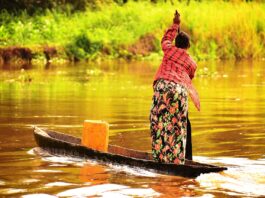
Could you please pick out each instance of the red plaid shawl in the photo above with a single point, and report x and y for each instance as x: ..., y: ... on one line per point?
x: 177, y: 65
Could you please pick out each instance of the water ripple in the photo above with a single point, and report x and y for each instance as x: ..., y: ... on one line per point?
x: 243, y: 177
x: 108, y: 190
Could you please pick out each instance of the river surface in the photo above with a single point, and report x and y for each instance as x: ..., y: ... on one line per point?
x: 229, y: 130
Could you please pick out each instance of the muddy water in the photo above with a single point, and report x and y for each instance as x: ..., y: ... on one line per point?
x: 229, y: 130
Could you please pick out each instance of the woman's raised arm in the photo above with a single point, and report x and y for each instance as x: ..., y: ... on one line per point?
x: 171, y: 33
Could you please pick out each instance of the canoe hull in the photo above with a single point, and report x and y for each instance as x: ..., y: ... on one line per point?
x: 61, y: 144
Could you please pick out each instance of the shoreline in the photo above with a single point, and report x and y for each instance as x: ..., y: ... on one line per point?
x: 24, y: 56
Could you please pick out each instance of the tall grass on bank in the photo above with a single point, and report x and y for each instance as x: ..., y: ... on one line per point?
x: 226, y: 30
x: 218, y: 29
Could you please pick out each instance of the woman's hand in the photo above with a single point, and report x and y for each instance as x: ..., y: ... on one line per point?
x: 176, y: 19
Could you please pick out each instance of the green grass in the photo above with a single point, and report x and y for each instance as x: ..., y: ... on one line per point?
x: 217, y: 29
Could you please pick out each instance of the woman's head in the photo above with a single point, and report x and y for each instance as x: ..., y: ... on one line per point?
x: 182, y: 40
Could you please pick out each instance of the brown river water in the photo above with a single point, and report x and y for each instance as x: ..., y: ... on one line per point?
x: 229, y: 130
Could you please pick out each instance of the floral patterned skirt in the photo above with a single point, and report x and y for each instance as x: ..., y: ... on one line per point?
x: 168, y: 122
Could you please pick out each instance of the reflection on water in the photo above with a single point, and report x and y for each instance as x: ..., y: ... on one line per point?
x: 229, y: 130
x: 243, y: 177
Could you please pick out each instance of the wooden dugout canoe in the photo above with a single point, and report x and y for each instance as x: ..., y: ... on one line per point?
x: 61, y: 144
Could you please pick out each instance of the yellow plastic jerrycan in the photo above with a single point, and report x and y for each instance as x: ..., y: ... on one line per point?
x: 96, y: 135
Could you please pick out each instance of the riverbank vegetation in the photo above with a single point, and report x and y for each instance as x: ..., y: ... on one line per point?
x: 219, y: 30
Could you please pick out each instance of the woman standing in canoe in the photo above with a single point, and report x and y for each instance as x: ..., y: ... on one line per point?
x: 172, y: 84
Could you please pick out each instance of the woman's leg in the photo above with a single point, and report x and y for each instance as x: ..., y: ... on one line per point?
x: 188, y: 154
